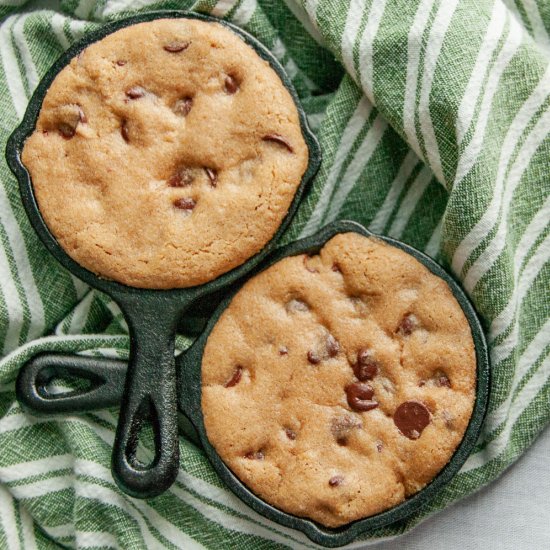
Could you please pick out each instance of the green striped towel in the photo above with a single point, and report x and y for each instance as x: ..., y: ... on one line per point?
x: 434, y: 118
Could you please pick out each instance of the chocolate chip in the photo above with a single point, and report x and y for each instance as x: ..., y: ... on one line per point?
x: 296, y: 305
x: 212, y: 176
x: 336, y: 268
x: 72, y: 116
x: 411, y: 417
x: 333, y: 347
x: 313, y: 357
x: 66, y: 130
x: 283, y: 350
x: 359, y: 396
x: 255, y: 455
x: 135, y: 92
x: 438, y: 379
x: 235, y: 379
x: 334, y: 481
x: 366, y: 368
x: 277, y: 138
x: 183, y: 106
x: 124, y: 131
x: 185, y: 203
x: 121, y: 62
x: 176, y: 46
x: 231, y: 85
x: 291, y: 434
x: 442, y: 380
x: 408, y: 324
x: 181, y: 178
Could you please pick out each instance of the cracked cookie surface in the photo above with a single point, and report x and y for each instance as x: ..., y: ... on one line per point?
x: 337, y: 385
x: 166, y: 154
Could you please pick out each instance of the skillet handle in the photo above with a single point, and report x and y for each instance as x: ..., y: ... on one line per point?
x: 104, y: 376
x: 149, y: 398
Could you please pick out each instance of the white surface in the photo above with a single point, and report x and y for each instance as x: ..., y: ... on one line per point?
x: 513, y: 513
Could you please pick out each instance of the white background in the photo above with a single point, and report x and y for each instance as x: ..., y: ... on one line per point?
x: 513, y: 513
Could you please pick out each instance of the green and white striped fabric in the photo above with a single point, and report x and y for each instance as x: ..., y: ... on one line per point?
x: 434, y: 119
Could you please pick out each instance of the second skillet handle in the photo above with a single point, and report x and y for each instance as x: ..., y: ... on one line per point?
x: 149, y: 397
x: 104, y: 376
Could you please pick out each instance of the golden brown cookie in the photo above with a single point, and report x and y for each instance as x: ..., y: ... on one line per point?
x: 166, y: 154
x: 335, y: 386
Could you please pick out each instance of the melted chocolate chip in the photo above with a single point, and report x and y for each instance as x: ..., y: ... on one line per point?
x: 183, y: 106
x: 277, y: 138
x: 442, y: 380
x: 235, y: 379
x: 185, y: 203
x: 135, y: 92
x: 176, y: 46
x: 313, y: 357
x: 408, y: 324
x: 334, y: 481
x: 121, y: 62
x: 181, y: 178
x: 366, y: 368
x: 124, y: 132
x: 333, y: 347
x: 73, y: 115
x: 255, y: 455
x: 438, y: 379
x: 212, y: 176
x: 336, y: 268
x: 411, y: 417
x: 283, y: 350
x: 359, y: 397
x: 66, y: 130
x: 231, y: 85
x: 291, y: 434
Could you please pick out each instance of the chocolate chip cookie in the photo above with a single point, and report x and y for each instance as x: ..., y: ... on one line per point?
x: 166, y: 154
x: 337, y: 385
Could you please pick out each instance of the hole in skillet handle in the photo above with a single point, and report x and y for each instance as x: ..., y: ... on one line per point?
x: 190, y: 403
x: 146, y: 417
x: 149, y: 397
x: 129, y: 478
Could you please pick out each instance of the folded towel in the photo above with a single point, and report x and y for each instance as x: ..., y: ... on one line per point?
x: 434, y: 120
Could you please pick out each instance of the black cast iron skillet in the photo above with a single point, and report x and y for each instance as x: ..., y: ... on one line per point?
x: 107, y: 375
x: 152, y: 315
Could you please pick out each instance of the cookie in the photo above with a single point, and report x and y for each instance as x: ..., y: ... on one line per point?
x: 335, y: 386
x: 166, y: 154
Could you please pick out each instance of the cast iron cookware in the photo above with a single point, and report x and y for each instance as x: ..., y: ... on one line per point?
x: 152, y: 315
x: 107, y: 390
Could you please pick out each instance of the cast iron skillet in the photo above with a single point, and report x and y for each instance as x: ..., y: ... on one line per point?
x: 107, y: 375
x: 152, y: 315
